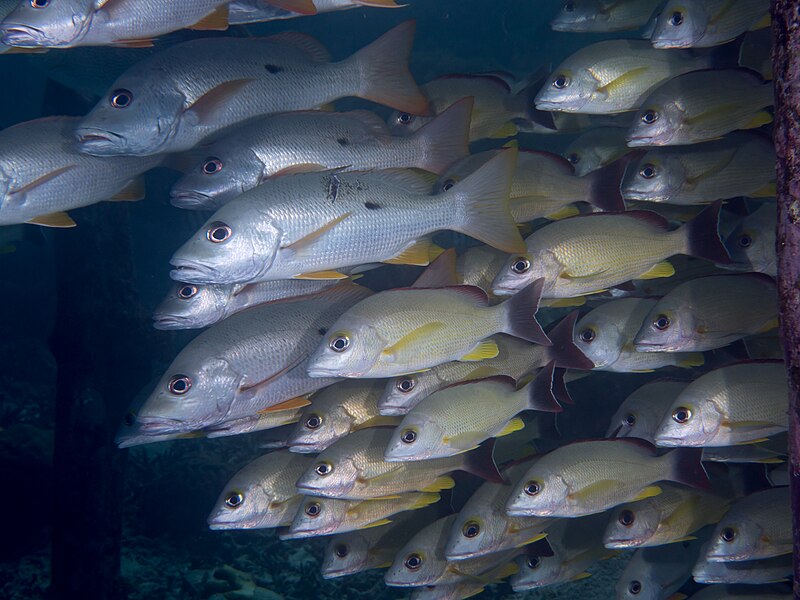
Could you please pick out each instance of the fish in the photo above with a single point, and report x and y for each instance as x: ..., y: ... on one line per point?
x: 337, y: 411
x: 606, y: 336
x: 482, y: 525
x: 113, y: 22
x: 272, y: 419
x: 206, y: 85
x: 770, y: 451
x: 717, y: 408
x: 595, y: 149
x: 261, y: 235
x: 589, y: 253
x: 750, y: 572
x: 326, y: 516
x: 751, y: 244
x: 657, y: 573
x: 613, y: 76
x: 755, y: 52
x: 741, y: 164
x: 262, y: 494
x: 585, y: 478
x: 192, y: 306
x: 640, y: 413
x: 603, y: 15
x: 544, y: 185
x: 731, y: 592
x: 42, y: 174
x: 575, y: 544
x: 479, y: 265
x: 408, y: 330
x: 705, y: 23
x: 459, y: 418
x: 466, y: 587
x: 353, y: 468
x: 257, y: 11
x: 673, y: 516
x: 316, y: 141
x: 515, y: 359
x: 253, y: 361
x: 701, y: 106
x: 757, y: 526
x: 709, y: 313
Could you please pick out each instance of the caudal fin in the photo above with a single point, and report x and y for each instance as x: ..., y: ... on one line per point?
x: 540, y: 391
x: 520, y: 314
x: 686, y: 467
x: 702, y: 236
x: 383, y: 68
x: 564, y: 351
x: 444, y: 140
x: 440, y: 273
x: 480, y: 462
x: 480, y: 204
x: 604, y: 186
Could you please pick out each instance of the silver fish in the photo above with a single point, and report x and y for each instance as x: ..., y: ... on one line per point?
x: 258, y: 11
x: 595, y: 149
x: 750, y: 572
x: 704, y: 23
x: 657, y: 573
x: 752, y: 243
x: 641, y: 413
x: 603, y: 15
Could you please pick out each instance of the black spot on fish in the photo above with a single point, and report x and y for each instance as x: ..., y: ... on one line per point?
x: 273, y: 69
x: 322, y: 330
x: 371, y: 206
x: 333, y: 188
x: 343, y: 142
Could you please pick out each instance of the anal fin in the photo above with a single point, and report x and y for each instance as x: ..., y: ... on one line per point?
x: 662, y: 269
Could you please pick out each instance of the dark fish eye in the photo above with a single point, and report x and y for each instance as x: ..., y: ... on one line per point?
x: 629, y: 420
x: 676, y: 18
x: 313, y: 421
x: 626, y: 518
x: 404, y: 118
x: 573, y: 158
x: 218, y: 232
x: 533, y: 562
x: 661, y: 322
x: 448, y: 185
x: 39, y: 3
x: 648, y: 171
x: 649, y: 117
x: 728, y: 534
x: 121, y: 98
x: 405, y: 385
x: 340, y: 343
x: 409, y: 436
x: 569, y: 7
x: 744, y: 241
x: 179, y: 384
x: 532, y: 488
x: 413, y: 562
x: 234, y: 500
x: 470, y: 529
x: 187, y: 291
x: 323, y: 469
x: 587, y: 335
x: 341, y: 550
x: 681, y: 414
x: 635, y: 587
x: 129, y: 419
x: 212, y: 165
x: 520, y: 265
x: 560, y: 82
x: 313, y: 509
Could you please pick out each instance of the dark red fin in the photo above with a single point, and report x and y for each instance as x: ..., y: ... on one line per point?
x: 702, y: 236
x: 604, y: 190
x: 445, y: 140
x: 687, y: 468
x: 560, y: 390
x: 440, y: 273
x: 480, y: 462
x: 520, y: 314
x: 540, y: 390
x: 564, y: 351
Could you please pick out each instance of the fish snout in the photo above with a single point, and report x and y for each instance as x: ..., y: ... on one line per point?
x: 191, y: 200
x: 16, y: 34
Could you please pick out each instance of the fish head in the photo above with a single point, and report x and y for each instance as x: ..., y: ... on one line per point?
x: 477, y: 531
x: 47, y: 23
x: 631, y: 525
x: 735, y: 539
x: 246, y: 503
x: 520, y: 270
x: 752, y: 244
x: 191, y: 306
x: 403, y: 123
x: 538, y: 571
x: 656, y: 124
x: 689, y: 422
x: 224, y: 173
x: 415, y: 565
x: 584, y: 159
x: 567, y: 90
x: 418, y: 437
x: 318, y: 516
x: 351, y: 348
x: 138, y: 116
x: 332, y: 475
x: 670, y: 326
x: 405, y: 392
x: 541, y: 492
x: 599, y: 338
x: 191, y: 395
x: 578, y: 15
x: 236, y: 245
x: 656, y: 177
x: 681, y: 24
x: 345, y: 555
x: 319, y: 427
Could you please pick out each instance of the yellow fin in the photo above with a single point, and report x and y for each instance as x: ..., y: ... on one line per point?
x: 536, y: 538
x: 758, y: 441
x: 385, y: 565
x: 321, y: 275
x: 766, y: 191
x: 562, y: 302
x: 770, y: 461
x: 141, y: 43
x: 377, y: 524
x: 485, y: 349
x: 692, y: 359
x: 300, y: 168
x: 133, y: 191
x: 765, y: 21
x: 580, y: 576
x: 304, y: 7
x: 563, y: 213
x: 686, y: 538
x: 418, y: 254
x: 481, y: 372
x: 425, y: 500
x: 215, y: 98
x: 445, y: 482
x: 506, y: 570
x: 379, y: 421
x: 216, y: 21
x: 42, y: 180
x: 413, y: 336
x: 310, y: 238
x: 507, y: 130
x: 615, y: 85
x: 292, y: 403
x: 762, y: 117
x: 513, y: 425
x: 648, y: 492
x: 604, y: 486
x: 662, y: 269
x: 769, y: 325
x: 512, y: 144
x: 59, y: 219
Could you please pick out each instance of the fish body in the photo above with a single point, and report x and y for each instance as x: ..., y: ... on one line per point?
x: 750, y: 572
x: 262, y: 494
x: 701, y: 106
x: 641, y: 413
x: 718, y: 408
x: 259, y: 11
x: 603, y: 15
x: 170, y: 101
x: 612, y: 76
x: 595, y: 149
x: 704, y: 23
x: 585, y: 478
x: 42, y: 174
x: 709, y: 313
x: 752, y: 242
x: 742, y: 164
x: 657, y: 573
x: 259, y: 422
x: 732, y: 592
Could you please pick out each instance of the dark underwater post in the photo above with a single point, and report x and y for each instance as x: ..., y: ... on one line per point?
x: 786, y: 64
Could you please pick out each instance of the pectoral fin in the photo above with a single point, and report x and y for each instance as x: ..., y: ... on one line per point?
x: 19, y: 193
x: 662, y: 269
x: 445, y: 482
x: 648, y: 492
x: 485, y: 349
x: 321, y: 275
x: 513, y: 425
x: 310, y: 238
x: 214, y: 99
x: 291, y: 404
x: 60, y: 219
x: 616, y: 85
x: 420, y: 253
x: 412, y: 337
x: 133, y: 191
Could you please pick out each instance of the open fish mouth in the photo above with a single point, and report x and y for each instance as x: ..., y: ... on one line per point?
x: 189, y: 271
x: 191, y: 199
x: 99, y: 141
x: 14, y: 34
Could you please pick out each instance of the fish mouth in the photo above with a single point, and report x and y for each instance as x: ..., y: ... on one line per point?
x: 621, y: 543
x: 664, y: 441
x: 392, y: 411
x: 636, y: 141
x: 653, y: 347
x: 191, y: 199
x: 552, y: 105
x: 17, y: 34
x: 519, y: 511
x: 504, y: 291
x: 160, y: 425
x: 666, y: 43
x: 190, y: 271
x: 305, y: 447
x: 325, y: 372
x: 99, y: 141
x: 169, y: 322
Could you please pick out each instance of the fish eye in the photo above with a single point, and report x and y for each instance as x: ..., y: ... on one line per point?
x: 313, y: 421
x: 648, y: 171
x: 341, y: 550
x: 340, y: 343
x: 744, y: 241
x: 405, y: 385
x: 448, y: 185
x: 728, y: 534
x: 404, y: 118
x: 187, y: 291
x: 179, y: 384
x: 470, y: 529
x: 212, y: 165
x: 626, y: 518
x: 629, y: 420
x: 234, y: 500
x: 533, y: 562
x: 569, y: 6
x: 681, y: 414
x: 649, y: 117
x: 676, y: 18
x: 409, y: 436
x: 39, y: 3
x: 413, y: 562
x: 218, y: 232
x: 129, y: 419
x: 560, y: 82
x: 323, y: 469
x: 661, y: 322
x: 635, y: 587
x: 573, y: 158
x: 532, y: 488
x: 312, y: 509
x: 587, y: 335
x: 120, y: 98
x: 520, y: 265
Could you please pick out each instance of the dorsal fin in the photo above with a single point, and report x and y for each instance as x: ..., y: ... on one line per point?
x: 301, y: 41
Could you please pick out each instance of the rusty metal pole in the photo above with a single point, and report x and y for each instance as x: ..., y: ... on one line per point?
x: 786, y: 67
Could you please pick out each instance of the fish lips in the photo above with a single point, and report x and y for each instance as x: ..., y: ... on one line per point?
x: 191, y: 271
x: 191, y: 200
x: 160, y: 425
x: 17, y: 34
x: 100, y: 142
x: 170, y: 322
